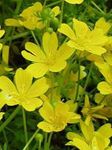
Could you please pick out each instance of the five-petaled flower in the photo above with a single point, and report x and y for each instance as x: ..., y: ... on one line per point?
x: 23, y: 92
x: 56, y: 117
x: 51, y: 58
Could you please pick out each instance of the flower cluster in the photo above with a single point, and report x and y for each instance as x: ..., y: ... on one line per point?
x: 66, y: 78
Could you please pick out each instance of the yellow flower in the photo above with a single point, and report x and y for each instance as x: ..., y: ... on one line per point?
x: 56, y: 117
x: 51, y: 58
x: 1, y: 115
x: 1, y: 34
x: 102, y: 24
x: 92, y: 112
x: 105, y: 87
x: 4, y: 68
x: 23, y: 92
x: 32, y: 17
x: 91, y: 139
x: 83, y: 39
x: 74, y: 1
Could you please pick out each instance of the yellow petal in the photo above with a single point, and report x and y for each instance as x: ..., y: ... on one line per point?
x: 1, y: 115
x: 1, y: 45
x: 50, y: 43
x: 64, y: 52
x: 12, y: 22
x: 104, y: 88
x: 80, y: 144
x: 23, y: 80
x: 80, y: 28
x: 74, y: 1
x: 45, y: 126
x: 2, y: 32
x: 56, y: 10
x: 86, y: 130
x: 106, y: 130
x: 35, y: 51
x: 66, y: 30
x: 76, y: 45
x: 47, y: 112
x: 102, y: 24
x: 58, y: 66
x: 37, y: 69
x: 31, y: 104
x: 5, y: 54
x: 7, y: 85
x: 98, y: 50
x: 38, y: 88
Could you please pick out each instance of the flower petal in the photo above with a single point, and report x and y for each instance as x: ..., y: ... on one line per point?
x: 80, y: 28
x: 66, y: 30
x: 45, y: 126
x: 38, y: 69
x: 74, y: 1
x: 38, y: 88
x: 58, y: 66
x: 35, y: 50
x: 7, y: 85
x: 31, y: 104
x: 64, y: 52
x: 23, y: 80
x: 47, y: 112
x: 2, y: 32
x: 50, y: 43
x: 104, y: 88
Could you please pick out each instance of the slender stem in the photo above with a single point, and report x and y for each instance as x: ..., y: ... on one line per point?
x: 45, y: 141
x: 25, y: 126
x: 77, y: 88
x: 5, y: 137
x: 31, y: 139
x: 19, y: 3
x: 10, y: 118
x: 39, y: 145
x: 62, y: 8
x: 54, y: 3
x: 35, y: 39
x: 49, y: 139
x: 93, y: 3
x: 45, y: 1
x: 88, y: 76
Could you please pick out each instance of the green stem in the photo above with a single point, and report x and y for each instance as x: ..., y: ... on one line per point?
x: 31, y: 139
x: 5, y: 137
x: 94, y: 4
x: 77, y: 88
x: 62, y: 8
x: 45, y: 1
x: 25, y: 126
x: 54, y: 3
x: 49, y: 140
x: 88, y: 76
x: 45, y: 141
x: 35, y: 39
x: 19, y: 3
x: 10, y: 118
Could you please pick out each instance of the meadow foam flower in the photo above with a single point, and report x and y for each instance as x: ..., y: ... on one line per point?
x: 51, y: 58
x: 91, y: 139
x: 105, y: 87
x: 84, y: 39
x: 33, y: 17
x: 1, y: 34
x: 56, y: 117
x: 23, y: 92
x: 74, y: 1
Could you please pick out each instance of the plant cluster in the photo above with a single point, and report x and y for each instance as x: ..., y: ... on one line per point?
x: 56, y: 75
